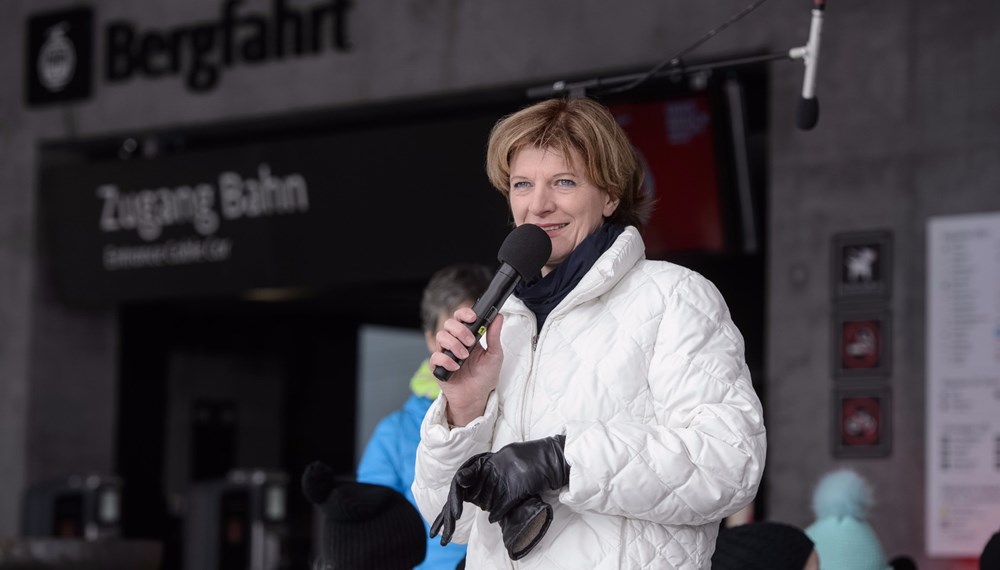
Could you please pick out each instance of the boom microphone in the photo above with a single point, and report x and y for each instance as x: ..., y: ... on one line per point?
x: 522, y: 255
x: 808, y: 110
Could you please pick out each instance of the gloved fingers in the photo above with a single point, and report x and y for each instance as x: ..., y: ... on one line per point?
x: 446, y: 520
x: 468, y: 474
x: 443, y: 520
x: 500, y: 493
x: 474, y: 481
x: 450, y: 513
x: 476, y: 459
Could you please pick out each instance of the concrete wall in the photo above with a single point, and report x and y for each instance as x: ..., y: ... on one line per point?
x: 909, y: 129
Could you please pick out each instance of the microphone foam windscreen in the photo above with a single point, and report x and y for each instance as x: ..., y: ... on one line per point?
x: 526, y: 249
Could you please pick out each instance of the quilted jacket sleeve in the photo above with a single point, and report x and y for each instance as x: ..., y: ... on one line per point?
x: 441, y: 452
x: 699, y: 455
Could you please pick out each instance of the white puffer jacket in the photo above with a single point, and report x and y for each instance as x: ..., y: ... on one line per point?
x: 643, y: 370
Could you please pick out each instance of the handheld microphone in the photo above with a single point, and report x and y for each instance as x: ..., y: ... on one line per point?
x: 807, y: 113
x: 523, y: 253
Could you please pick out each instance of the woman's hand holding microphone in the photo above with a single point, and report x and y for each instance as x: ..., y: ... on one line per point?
x: 470, y: 386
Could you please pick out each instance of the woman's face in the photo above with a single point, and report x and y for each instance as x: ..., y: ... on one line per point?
x: 556, y: 196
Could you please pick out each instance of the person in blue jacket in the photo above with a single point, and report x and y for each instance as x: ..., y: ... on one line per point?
x: 391, y: 453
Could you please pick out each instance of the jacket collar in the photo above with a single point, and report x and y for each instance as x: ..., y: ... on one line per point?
x: 607, y: 271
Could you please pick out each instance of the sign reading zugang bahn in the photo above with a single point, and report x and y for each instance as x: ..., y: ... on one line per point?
x: 325, y: 210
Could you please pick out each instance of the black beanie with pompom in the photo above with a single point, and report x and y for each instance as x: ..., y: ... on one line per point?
x: 364, y: 526
x: 762, y: 545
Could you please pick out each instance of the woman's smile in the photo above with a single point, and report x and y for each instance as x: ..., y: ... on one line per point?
x: 552, y: 229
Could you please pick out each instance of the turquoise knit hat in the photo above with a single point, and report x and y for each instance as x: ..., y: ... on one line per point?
x: 844, y: 540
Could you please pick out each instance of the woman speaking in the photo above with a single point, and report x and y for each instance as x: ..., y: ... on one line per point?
x: 610, y: 422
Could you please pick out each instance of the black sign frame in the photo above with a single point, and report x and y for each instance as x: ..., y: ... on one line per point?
x: 861, y: 266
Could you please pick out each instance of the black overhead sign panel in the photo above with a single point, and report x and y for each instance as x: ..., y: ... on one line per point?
x: 60, y: 64
x: 376, y: 205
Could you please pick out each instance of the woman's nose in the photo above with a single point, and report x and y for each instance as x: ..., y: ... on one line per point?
x: 541, y: 200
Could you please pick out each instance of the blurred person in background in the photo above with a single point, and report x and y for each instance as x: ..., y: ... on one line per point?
x: 841, y: 533
x: 990, y: 558
x: 764, y: 545
x: 391, y: 452
x: 364, y: 526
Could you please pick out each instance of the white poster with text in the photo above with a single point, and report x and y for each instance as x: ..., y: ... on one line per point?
x: 963, y: 383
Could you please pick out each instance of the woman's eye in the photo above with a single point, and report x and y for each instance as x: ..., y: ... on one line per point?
x: 565, y: 182
x: 519, y: 185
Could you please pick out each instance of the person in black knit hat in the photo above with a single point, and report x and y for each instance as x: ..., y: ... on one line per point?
x: 369, y: 527
x: 903, y: 562
x: 764, y: 546
x: 990, y: 558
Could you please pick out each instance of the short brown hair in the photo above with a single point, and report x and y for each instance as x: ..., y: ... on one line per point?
x: 584, y: 125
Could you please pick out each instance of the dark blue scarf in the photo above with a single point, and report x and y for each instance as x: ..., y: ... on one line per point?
x: 542, y: 295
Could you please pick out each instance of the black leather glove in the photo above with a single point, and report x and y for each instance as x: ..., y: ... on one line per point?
x: 498, y: 482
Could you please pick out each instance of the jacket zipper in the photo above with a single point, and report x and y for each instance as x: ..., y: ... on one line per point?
x: 621, y: 543
x: 527, y: 383
x: 524, y: 403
